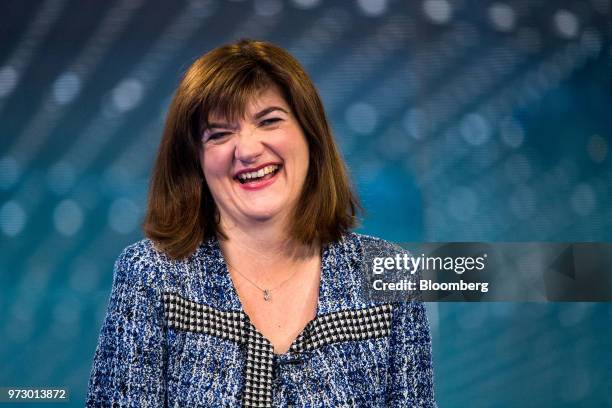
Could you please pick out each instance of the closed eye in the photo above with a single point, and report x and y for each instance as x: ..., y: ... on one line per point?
x: 217, y: 135
x: 269, y: 121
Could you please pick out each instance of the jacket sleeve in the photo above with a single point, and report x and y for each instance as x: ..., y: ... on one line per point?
x: 129, y: 363
x: 410, y: 379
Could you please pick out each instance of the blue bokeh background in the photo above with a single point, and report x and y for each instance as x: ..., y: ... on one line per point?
x: 460, y: 120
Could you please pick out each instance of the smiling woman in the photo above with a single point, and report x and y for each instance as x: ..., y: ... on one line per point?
x: 256, y: 169
x: 249, y: 290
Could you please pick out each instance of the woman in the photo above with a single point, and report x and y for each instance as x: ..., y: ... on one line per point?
x: 248, y: 289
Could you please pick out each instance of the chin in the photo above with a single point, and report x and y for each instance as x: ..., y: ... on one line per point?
x: 262, y: 214
x: 264, y: 207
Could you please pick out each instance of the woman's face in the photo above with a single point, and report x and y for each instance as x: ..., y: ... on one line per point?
x: 255, y: 169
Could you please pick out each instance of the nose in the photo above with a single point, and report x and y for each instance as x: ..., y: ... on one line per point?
x: 248, y: 146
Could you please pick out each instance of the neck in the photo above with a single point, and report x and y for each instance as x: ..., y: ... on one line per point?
x: 263, y: 247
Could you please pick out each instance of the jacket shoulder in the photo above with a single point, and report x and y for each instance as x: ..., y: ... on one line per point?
x: 141, y: 263
x: 374, y: 250
x: 375, y: 246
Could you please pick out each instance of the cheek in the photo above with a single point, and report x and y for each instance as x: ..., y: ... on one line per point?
x: 300, y: 161
x: 293, y: 144
x: 302, y: 154
x: 214, y: 162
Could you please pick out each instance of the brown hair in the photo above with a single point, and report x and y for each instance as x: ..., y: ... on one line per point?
x: 181, y: 211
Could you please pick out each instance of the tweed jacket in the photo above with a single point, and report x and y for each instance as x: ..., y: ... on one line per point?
x: 176, y: 335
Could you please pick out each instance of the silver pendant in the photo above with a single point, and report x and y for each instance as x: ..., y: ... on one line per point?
x: 266, y: 294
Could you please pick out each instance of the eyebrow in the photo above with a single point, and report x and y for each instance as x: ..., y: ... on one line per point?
x: 268, y: 110
x: 258, y: 115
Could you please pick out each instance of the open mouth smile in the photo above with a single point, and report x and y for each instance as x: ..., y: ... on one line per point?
x: 259, y: 177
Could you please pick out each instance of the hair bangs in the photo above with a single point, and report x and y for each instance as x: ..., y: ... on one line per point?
x: 228, y: 95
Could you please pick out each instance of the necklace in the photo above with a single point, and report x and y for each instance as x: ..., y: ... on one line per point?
x: 267, y: 293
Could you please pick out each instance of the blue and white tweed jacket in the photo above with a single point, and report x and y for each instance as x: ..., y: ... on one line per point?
x: 176, y: 335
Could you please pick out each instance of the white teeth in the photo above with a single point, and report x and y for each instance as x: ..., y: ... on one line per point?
x: 258, y: 174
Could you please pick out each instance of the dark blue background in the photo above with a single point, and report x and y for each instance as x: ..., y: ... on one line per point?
x: 460, y: 120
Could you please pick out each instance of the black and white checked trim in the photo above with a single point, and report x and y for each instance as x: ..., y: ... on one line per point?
x: 259, y: 371
x: 183, y: 314
x: 346, y: 325
x: 186, y: 315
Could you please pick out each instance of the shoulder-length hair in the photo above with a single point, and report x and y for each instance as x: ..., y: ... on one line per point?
x: 181, y: 211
